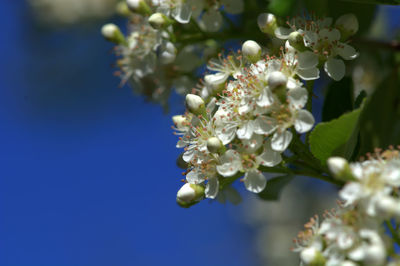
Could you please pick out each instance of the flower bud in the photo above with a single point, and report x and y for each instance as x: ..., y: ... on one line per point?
x: 340, y: 168
x: 122, y: 9
x: 139, y: 6
x: 276, y: 79
x: 195, y: 104
x: 312, y: 256
x: 112, y: 33
x: 296, y: 40
x: 189, y: 194
x: 267, y: 23
x: 252, y: 51
x: 214, y: 145
x: 389, y: 206
x: 347, y: 25
x: 159, y: 21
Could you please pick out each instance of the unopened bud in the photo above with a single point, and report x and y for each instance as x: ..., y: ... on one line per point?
x: 252, y: 51
x: 347, y: 25
x: 189, y: 194
x: 214, y: 145
x: 122, y: 9
x: 312, y: 256
x: 139, y: 6
x: 112, y: 33
x: 267, y: 23
x: 277, y: 79
x: 296, y: 40
x: 340, y: 168
x: 195, y: 104
x: 159, y: 21
x: 389, y: 206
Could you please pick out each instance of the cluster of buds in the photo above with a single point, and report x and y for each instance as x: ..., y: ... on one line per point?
x: 327, y: 43
x: 355, y: 235
x: 243, y: 118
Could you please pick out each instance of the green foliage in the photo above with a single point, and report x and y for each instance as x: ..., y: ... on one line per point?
x: 380, y: 118
x: 337, y: 137
x: 281, y: 8
x: 274, y: 187
x: 338, y: 99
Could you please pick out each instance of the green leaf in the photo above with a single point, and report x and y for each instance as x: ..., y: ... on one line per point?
x: 274, y: 187
x: 380, y: 118
x: 338, y: 99
x: 337, y: 137
x: 281, y: 8
x: 360, y: 98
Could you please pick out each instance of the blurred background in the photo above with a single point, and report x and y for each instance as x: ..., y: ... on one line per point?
x: 87, y: 169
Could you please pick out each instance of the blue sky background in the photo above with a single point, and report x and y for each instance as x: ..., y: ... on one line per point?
x: 87, y: 171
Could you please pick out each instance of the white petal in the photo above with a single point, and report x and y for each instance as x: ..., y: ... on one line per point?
x: 246, y: 130
x: 253, y: 144
x: 282, y: 32
x: 226, y: 134
x: 350, y: 193
x: 189, y: 153
x: 195, y: 176
x: 255, y: 181
x: 182, y: 13
x: 307, y: 59
x: 230, y: 163
x: 308, y: 74
x: 280, y: 141
x: 212, y: 188
x: 298, y: 97
x: 216, y: 79
x: 264, y: 125
x: 330, y: 34
x: 335, y: 68
x: 304, y: 121
x: 212, y: 20
x: 310, y: 38
x: 346, y: 51
x: 266, y: 98
x: 269, y: 157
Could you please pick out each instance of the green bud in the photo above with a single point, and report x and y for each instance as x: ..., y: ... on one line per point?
x: 112, y: 33
x: 252, y: 51
x: 340, y: 168
x: 159, y: 21
x: 296, y: 40
x: 189, y: 194
x: 267, y: 23
x: 214, y: 145
x: 195, y: 104
x: 122, y: 9
x: 139, y: 6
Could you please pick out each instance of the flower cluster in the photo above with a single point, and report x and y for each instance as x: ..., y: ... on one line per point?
x: 327, y: 42
x: 253, y: 107
x: 355, y: 234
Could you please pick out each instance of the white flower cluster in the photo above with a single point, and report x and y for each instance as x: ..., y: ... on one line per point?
x: 344, y: 238
x: 327, y: 42
x: 355, y: 235
x: 253, y: 107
